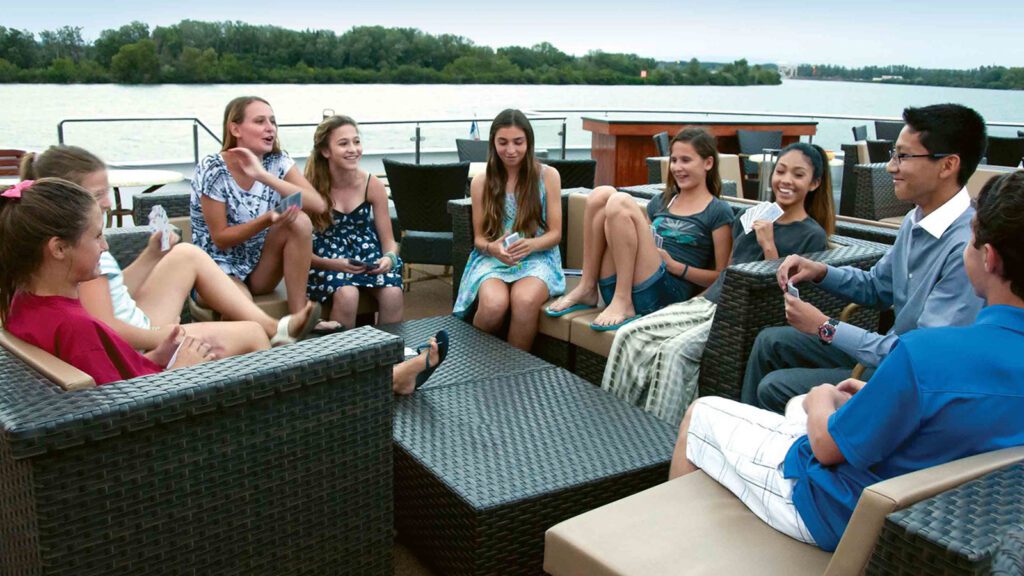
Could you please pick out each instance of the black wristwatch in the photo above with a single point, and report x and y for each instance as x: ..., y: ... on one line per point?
x: 827, y: 331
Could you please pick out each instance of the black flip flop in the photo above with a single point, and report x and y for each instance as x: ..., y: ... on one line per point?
x: 442, y: 351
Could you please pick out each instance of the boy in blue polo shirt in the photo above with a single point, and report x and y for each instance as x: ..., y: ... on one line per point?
x: 941, y: 394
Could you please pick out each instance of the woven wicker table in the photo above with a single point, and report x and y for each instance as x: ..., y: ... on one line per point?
x: 500, y: 448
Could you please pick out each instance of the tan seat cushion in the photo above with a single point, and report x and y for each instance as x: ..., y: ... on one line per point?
x: 559, y: 327
x: 690, y: 525
x: 184, y: 223
x: 58, y: 371
x: 275, y: 304
x: 897, y: 220
x: 983, y: 174
x: 583, y: 336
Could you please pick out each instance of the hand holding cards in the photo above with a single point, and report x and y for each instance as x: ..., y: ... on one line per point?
x: 158, y: 222
x: 658, y: 240
x: 288, y: 201
x: 792, y: 290
x: 769, y: 211
x: 510, y: 240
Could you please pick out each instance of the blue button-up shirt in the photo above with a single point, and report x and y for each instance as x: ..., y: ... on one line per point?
x: 922, y: 277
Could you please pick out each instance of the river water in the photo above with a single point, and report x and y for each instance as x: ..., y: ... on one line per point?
x: 31, y: 112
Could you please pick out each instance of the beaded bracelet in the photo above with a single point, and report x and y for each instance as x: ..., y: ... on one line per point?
x: 393, y: 257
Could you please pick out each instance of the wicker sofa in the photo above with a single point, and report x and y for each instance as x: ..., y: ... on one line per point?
x: 277, y: 462
x: 750, y: 303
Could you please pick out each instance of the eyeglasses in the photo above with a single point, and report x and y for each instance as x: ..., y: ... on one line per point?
x: 899, y: 158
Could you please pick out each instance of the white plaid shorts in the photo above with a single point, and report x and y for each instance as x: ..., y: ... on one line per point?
x: 743, y: 448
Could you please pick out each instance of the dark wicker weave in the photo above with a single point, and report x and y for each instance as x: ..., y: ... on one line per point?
x: 473, y: 355
x: 420, y: 193
x: 653, y: 169
x: 277, y: 462
x: 483, y: 468
x: 1009, y: 558
x: 751, y: 301
x: 848, y: 191
x: 575, y: 173
x: 956, y: 532
x: 589, y: 365
x: 553, y: 350
x: 125, y: 244
x: 174, y: 203
x: 875, y: 194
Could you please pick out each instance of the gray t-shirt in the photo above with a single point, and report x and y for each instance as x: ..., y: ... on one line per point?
x: 799, y: 237
x: 688, y: 239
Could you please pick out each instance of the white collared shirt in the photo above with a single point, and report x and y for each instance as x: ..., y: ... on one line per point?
x: 943, y: 217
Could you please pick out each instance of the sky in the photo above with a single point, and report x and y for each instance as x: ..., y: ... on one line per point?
x: 932, y: 34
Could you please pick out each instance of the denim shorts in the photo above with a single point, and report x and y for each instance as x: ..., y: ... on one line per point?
x: 652, y: 294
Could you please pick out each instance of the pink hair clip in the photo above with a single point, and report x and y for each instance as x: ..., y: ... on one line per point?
x: 16, y: 190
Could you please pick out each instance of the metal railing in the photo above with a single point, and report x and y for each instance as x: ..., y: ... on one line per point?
x: 198, y: 124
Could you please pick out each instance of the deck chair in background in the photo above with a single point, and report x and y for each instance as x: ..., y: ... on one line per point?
x: 1005, y: 151
x: 421, y: 193
x: 661, y: 141
x: 471, y: 150
x: 575, y: 173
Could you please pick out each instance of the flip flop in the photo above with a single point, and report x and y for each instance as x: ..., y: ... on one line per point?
x: 442, y: 351
x: 564, y: 311
x: 316, y: 331
x: 283, y: 337
x: 616, y: 326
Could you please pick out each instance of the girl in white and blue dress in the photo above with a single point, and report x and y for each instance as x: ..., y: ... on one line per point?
x: 354, y: 247
x: 236, y: 196
x: 516, y: 195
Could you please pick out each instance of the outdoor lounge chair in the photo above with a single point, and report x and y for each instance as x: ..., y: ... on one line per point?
x: 887, y: 130
x: 471, y: 150
x: 276, y: 462
x: 661, y: 142
x: 1005, y: 151
x: 860, y: 133
x: 575, y: 173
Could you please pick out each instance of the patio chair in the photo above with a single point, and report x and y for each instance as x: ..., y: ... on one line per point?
x: 661, y: 141
x: 575, y: 173
x: 755, y: 142
x: 421, y: 193
x: 1005, y: 151
x: 860, y: 132
x: 9, y: 161
x: 471, y: 150
x: 276, y: 462
x: 887, y: 130
x: 879, y: 150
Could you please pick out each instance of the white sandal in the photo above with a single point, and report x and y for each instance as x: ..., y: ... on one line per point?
x: 282, y: 336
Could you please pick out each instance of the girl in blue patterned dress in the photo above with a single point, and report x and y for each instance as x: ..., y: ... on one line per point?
x: 515, y: 195
x: 355, y: 227
x: 235, y: 196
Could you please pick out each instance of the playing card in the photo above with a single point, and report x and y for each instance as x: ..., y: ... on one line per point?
x: 792, y: 290
x: 769, y: 211
x: 511, y: 239
x: 658, y: 240
x: 288, y: 201
x: 158, y: 222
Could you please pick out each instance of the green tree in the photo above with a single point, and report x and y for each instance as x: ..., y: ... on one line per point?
x: 19, y: 47
x: 136, y: 63
x: 111, y: 41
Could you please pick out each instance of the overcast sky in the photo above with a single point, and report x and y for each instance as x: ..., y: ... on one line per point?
x: 932, y: 34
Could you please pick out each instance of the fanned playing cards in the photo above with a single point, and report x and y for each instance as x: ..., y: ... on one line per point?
x: 158, y: 222
x: 769, y: 211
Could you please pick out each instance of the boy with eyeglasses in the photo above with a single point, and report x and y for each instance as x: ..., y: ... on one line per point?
x: 941, y: 394
x: 921, y: 277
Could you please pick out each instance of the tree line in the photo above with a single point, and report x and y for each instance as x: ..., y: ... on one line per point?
x: 235, y: 52
x: 994, y: 77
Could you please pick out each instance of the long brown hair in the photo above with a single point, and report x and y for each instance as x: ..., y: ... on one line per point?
x: 706, y: 147
x: 529, y: 217
x: 318, y: 168
x: 50, y: 207
x: 818, y: 202
x: 68, y: 162
x: 235, y: 112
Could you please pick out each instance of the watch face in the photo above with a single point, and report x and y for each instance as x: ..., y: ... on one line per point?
x: 826, y: 332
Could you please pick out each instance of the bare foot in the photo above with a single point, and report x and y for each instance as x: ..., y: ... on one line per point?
x: 579, y: 295
x: 404, y: 374
x: 298, y: 320
x: 615, y: 313
x: 162, y: 353
x: 192, y: 352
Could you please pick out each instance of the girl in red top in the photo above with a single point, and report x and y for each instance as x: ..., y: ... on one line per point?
x: 51, y: 238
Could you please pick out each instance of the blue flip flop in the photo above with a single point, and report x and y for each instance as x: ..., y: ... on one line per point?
x: 573, y: 308
x: 442, y: 351
x: 616, y: 326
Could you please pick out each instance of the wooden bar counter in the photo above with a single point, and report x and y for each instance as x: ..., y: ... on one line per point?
x: 620, y: 145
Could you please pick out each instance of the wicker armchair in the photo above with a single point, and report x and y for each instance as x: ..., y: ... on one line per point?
x: 875, y: 196
x: 661, y: 143
x: 654, y: 169
x: 575, y: 173
x: 277, y: 462
x: 860, y: 132
x: 1005, y: 151
x: 887, y: 130
x: 471, y: 150
x: 879, y: 151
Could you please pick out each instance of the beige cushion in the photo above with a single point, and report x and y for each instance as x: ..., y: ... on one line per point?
x: 559, y: 327
x: 897, y: 220
x: 583, y: 336
x: 275, y: 304
x: 58, y: 371
x: 862, y: 152
x: 983, y: 174
x: 690, y: 525
x: 574, y: 231
x: 184, y: 223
